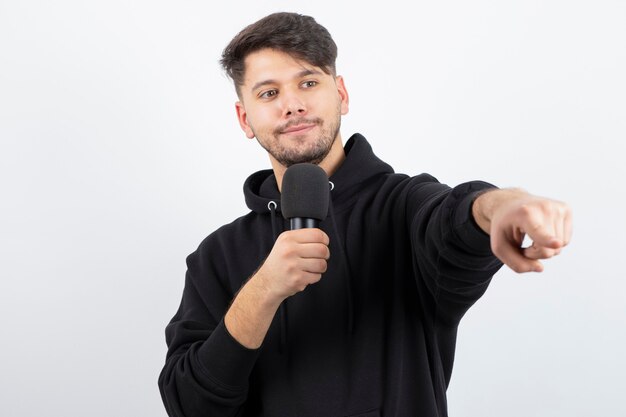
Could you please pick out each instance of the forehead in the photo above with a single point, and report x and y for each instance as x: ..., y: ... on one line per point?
x: 271, y: 64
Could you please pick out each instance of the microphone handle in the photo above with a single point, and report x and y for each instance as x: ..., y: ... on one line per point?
x: 303, y: 223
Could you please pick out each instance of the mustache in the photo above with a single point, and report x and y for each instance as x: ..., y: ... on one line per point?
x: 298, y: 121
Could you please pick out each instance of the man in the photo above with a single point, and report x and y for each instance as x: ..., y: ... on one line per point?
x: 358, y: 317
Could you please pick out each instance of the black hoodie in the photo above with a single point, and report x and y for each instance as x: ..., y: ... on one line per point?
x: 375, y: 337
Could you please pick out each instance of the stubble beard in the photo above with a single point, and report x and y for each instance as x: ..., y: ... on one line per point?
x: 314, y: 154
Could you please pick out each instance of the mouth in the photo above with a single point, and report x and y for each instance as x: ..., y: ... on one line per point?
x: 301, y: 128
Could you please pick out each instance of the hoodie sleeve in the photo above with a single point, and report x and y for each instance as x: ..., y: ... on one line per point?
x: 452, y: 255
x: 206, y: 370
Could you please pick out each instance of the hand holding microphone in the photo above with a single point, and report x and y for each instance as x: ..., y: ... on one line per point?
x: 299, y: 256
x: 297, y: 259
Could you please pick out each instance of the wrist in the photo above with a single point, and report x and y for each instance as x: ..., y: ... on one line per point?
x: 250, y: 314
x: 259, y: 284
x: 482, y: 209
x: 486, y: 204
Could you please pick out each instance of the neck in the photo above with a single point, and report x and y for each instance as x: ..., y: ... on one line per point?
x: 329, y: 164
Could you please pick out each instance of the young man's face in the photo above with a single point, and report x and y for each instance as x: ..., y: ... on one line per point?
x: 293, y: 108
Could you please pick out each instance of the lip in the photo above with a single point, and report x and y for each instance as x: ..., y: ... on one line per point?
x: 299, y: 128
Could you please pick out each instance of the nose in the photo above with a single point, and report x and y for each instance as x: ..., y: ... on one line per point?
x: 293, y: 105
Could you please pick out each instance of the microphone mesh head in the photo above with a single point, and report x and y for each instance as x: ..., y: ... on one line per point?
x: 305, y: 192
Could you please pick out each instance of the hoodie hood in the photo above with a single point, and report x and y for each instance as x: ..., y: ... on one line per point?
x: 360, y: 165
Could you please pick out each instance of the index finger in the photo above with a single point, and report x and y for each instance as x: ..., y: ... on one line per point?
x: 311, y: 235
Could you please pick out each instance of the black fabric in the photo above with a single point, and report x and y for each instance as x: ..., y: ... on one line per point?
x: 407, y: 261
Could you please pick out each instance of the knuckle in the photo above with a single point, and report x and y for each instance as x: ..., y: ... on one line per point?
x: 284, y: 236
x: 546, y: 206
x: 298, y: 281
x: 289, y: 252
x: 526, y: 210
x: 535, y: 211
x: 291, y: 269
x: 565, y: 211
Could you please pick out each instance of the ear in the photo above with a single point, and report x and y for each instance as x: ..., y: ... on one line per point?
x: 242, y: 117
x: 343, y: 94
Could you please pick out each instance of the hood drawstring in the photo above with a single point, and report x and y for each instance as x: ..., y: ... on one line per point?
x: 344, y: 263
x: 282, y: 310
x: 271, y: 206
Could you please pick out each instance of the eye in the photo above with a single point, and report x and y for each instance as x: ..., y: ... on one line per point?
x: 309, y: 84
x: 268, y: 94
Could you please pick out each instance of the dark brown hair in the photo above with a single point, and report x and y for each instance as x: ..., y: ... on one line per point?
x: 295, y: 34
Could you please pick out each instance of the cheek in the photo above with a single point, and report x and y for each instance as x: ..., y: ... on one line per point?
x: 262, y: 123
x: 331, y: 100
x: 262, y: 118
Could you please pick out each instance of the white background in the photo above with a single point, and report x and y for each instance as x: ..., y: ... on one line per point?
x: 120, y: 152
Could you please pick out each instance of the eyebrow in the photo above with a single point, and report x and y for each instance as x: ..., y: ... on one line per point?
x: 301, y: 74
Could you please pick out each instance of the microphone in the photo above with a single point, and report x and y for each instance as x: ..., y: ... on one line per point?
x: 304, y: 195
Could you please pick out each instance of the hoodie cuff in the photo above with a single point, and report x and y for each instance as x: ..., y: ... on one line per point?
x: 465, y: 226
x: 226, y: 360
